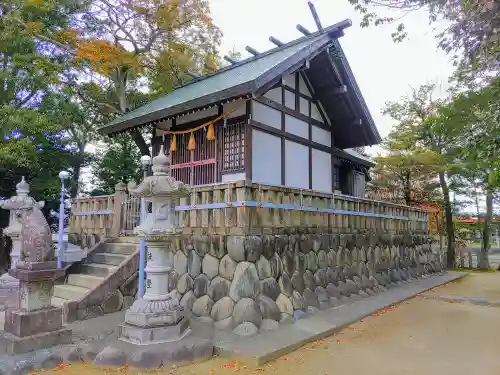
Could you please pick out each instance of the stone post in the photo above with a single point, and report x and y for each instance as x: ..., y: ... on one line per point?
x: 120, y: 197
x: 35, y: 323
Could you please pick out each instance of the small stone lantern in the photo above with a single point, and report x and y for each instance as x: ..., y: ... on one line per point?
x: 158, y: 316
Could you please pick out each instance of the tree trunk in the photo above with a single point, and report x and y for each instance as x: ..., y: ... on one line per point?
x: 478, y: 212
x: 120, y: 82
x: 448, y: 214
x: 483, y: 261
x: 77, y: 169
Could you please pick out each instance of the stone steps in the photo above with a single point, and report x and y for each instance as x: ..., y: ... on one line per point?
x: 86, y: 281
x: 70, y: 292
x: 95, y: 277
x: 97, y: 269
x: 107, y: 258
x: 58, y: 302
x: 124, y: 248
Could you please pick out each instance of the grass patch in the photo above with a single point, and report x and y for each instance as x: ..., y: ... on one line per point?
x: 478, y: 244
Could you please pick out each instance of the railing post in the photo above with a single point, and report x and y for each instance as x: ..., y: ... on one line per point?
x: 120, y: 197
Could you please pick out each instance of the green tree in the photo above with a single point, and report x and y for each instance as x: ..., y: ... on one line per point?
x: 125, y: 46
x: 434, y: 142
x: 119, y: 161
x: 28, y: 69
x: 477, y: 116
x: 404, y: 174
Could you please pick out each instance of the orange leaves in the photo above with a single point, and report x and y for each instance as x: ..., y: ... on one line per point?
x: 105, y: 57
x: 67, y: 36
x: 231, y: 364
x: 34, y: 27
x: 384, y: 310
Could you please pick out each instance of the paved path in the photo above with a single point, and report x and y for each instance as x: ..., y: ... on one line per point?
x: 420, y: 336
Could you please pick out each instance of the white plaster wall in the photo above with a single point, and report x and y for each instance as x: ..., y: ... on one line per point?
x: 304, y: 106
x: 297, y: 165
x: 266, y: 115
x: 266, y: 158
x: 315, y: 113
x: 297, y: 127
x: 289, y: 99
x: 321, y: 136
x: 324, y: 112
x: 302, y: 87
x: 213, y: 111
x: 275, y: 94
x: 289, y: 80
x: 238, y: 105
x: 233, y: 177
x: 321, y: 171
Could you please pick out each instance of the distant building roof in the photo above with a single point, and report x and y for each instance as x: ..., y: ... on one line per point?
x: 357, y: 155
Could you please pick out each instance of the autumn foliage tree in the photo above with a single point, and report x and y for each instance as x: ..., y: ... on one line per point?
x: 404, y: 174
x: 129, y: 46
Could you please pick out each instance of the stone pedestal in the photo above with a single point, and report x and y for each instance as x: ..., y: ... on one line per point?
x: 35, y: 323
x: 158, y: 316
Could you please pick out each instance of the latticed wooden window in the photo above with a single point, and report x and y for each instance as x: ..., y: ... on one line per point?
x: 233, y: 152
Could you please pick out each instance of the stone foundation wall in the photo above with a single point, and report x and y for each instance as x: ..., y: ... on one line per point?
x: 273, y: 278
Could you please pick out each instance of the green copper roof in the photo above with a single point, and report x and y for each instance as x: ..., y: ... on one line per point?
x: 239, y: 79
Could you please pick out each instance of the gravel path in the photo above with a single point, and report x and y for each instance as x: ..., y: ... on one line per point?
x: 420, y: 336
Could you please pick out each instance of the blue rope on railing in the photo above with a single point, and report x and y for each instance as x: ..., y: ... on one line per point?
x: 292, y: 207
x: 270, y: 205
x: 97, y: 212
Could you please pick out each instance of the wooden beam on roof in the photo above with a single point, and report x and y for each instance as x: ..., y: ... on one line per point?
x: 140, y: 142
x: 275, y: 41
x: 230, y: 60
x: 340, y: 90
x: 315, y: 15
x: 336, y: 91
x: 303, y: 30
x: 306, y: 66
x: 251, y: 50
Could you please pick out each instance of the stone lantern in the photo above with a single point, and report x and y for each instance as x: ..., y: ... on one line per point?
x: 14, y: 203
x: 158, y: 316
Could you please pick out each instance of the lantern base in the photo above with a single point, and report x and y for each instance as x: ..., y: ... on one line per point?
x: 153, y: 335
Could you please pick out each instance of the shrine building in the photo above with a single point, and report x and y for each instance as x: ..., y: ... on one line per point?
x: 292, y: 116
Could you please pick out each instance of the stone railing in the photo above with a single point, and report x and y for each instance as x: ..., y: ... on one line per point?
x: 243, y: 208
